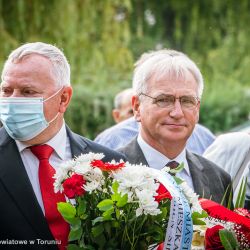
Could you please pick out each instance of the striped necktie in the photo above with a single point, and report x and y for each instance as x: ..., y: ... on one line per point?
x: 172, y: 165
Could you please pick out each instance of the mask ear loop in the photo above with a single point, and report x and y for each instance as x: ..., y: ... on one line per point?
x: 53, y: 94
x: 54, y: 118
x: 49, y: 99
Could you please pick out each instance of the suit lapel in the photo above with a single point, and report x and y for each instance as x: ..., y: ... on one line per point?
x: 200, y: 180
x: 134, y: 153
x: 77, y: 145
x: 138, y: 154
x: 15, y: 179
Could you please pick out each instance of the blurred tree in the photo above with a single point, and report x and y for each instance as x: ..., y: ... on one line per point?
x: 94, y: 35
x: 103, y: 38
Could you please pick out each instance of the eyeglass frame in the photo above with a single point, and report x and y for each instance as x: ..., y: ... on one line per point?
x: 175, y: 98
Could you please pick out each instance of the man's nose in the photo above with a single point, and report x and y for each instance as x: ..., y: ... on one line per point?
x: 176, y: 110
x: 16, y: 93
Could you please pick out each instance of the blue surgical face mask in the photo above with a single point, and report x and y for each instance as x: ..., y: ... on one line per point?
x: 23, y: 118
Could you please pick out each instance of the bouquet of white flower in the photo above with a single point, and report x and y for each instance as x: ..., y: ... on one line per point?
x: 123, y: 206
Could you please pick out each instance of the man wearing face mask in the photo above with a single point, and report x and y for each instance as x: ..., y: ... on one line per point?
x: 34, y: 141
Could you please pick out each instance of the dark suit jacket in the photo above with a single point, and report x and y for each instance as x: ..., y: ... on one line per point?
x: 209, y: 180
x: 21, y: 217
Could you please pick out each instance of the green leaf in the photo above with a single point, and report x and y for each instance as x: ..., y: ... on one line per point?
x: 240, y: 200
x: 75, y: 234
x: 156, y: 232
x: 107, y: 214
x: 100, y: 241
x: 96, y: 220
x: 115, y: 197
x: 115, y: 186
x: 117, y: 213
x: 97, y: 230
x: 196, y: 218
x: 105, y: 205
x: 122, y: 201
x: 115, y: 224
x: 89, y: 247
x: 163, y: 214
x: 75, y: 223
x: 107, y: 228
x: 178, y: 180
x: 74, y: 247
x: 67, y: 210
x: 229, y: 191
x: 84, y: 216
x: 81, y: 208
x: 228, y: 240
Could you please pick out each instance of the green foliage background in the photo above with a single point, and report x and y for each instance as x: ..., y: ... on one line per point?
x: 103, y: 38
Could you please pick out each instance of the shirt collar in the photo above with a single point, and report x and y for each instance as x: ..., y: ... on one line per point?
x: 58, y: 143
x: 158, y: 160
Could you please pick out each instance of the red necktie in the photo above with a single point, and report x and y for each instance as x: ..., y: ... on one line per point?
x: 58, y: 227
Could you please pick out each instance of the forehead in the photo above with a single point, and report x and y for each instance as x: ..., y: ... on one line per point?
x: 30, y: 69
x: 173, y: 82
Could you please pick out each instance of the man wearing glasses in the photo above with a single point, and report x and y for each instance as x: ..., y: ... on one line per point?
x: 168, y: 87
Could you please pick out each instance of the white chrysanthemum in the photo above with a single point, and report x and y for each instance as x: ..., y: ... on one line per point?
x: 59, y: 177
x: 83, y: 168
x: 94, y: 179
x: 63, y: 173
x: 191, y: 196
x: 134, y: 176
x: 80, y: 165
x: 116, y: 162
x: 95, y: 174
x: 166, y: 169
x: 147, y: 204
x: 130, y: 177
x: 92, y: 186
x: 89, y: 157
x: 150, y: 185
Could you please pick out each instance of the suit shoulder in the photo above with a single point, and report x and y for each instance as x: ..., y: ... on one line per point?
x: 98, y: 148
x: 129, y: 148
x: 209, y: 165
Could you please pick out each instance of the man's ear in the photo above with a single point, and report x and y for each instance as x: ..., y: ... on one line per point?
x: 65, y: 98
x: 116, y: 115
x: 136, y: 107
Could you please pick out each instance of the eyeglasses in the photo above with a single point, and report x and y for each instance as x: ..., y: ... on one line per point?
x: 168, y: 101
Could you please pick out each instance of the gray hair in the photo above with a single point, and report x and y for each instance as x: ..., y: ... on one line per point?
x: 60, y: 65
x: 121, y: 96
x: 173, y: 63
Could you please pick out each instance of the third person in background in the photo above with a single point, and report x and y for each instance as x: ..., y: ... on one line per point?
x: 122, y: 105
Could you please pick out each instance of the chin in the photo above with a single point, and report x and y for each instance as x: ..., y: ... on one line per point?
x: 174, y: 137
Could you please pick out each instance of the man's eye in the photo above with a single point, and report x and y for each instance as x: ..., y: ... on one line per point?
x: 188, y: 100
x: 6, y: 91
x: 29, y: 92
x: 164, y: 99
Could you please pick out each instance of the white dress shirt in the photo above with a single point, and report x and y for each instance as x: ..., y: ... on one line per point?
x: 157, y: 160
x: 62, y: 152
